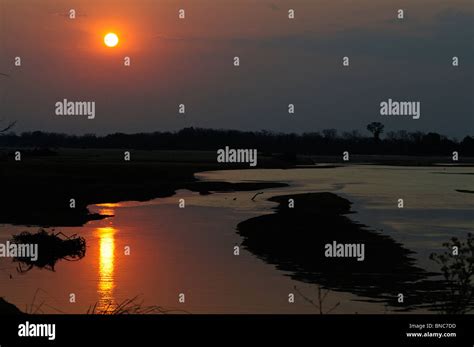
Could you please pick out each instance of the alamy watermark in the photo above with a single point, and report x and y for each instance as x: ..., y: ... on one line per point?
x: 28, y: 329
x: 345, y: 250
x: 75, y: 108
x: 19, y: 250
x: 229, y: 155
x: 400, y: 108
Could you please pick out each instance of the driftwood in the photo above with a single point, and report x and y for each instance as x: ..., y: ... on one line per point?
x: 52, y: 248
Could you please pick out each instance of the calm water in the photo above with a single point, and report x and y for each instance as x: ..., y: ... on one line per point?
x: 190, y: 250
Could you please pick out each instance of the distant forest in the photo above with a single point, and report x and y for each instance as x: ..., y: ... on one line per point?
x: 326, y: 142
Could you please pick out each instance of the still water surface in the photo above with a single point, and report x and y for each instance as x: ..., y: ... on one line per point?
x: 190, y: 250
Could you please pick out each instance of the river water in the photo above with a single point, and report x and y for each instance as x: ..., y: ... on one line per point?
x: 156, y: 250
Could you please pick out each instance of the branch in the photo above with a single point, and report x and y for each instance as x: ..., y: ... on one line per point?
x: 306, y: 298
x: 253, y: 199
x: 11, y: 125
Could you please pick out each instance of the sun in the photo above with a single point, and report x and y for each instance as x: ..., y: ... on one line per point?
x: 111, y: 40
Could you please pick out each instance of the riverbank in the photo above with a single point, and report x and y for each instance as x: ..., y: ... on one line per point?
x: 296, y: 236
x: 38, y: 189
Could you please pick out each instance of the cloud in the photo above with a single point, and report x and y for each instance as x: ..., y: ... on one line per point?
x: 449, y: 32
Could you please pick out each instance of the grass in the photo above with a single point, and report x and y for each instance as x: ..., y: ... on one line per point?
x: 131, y: 306
x: 134, y: 305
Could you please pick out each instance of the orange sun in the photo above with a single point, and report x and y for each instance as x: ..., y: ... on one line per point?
x: 111, y: 40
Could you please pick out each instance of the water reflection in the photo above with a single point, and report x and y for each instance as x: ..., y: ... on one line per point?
x: 299, y: 237
x: 106, y: 282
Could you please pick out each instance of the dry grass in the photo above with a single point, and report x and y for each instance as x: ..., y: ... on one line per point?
x: 131, y: 306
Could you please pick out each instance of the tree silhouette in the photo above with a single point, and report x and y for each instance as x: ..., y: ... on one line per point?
x: 376, y: 128
x: 327, y: 142
x: 330, y: 134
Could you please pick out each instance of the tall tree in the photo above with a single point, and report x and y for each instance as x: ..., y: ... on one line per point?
x: 376, y: 128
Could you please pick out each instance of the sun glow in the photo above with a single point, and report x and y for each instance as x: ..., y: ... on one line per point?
x: 111, y: 40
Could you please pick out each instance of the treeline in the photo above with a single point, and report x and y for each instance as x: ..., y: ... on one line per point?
x: 327, y: 142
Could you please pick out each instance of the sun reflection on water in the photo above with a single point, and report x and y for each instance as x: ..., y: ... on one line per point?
x: 106, y: 282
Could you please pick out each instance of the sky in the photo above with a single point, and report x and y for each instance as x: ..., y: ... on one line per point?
x: 190, y: 61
